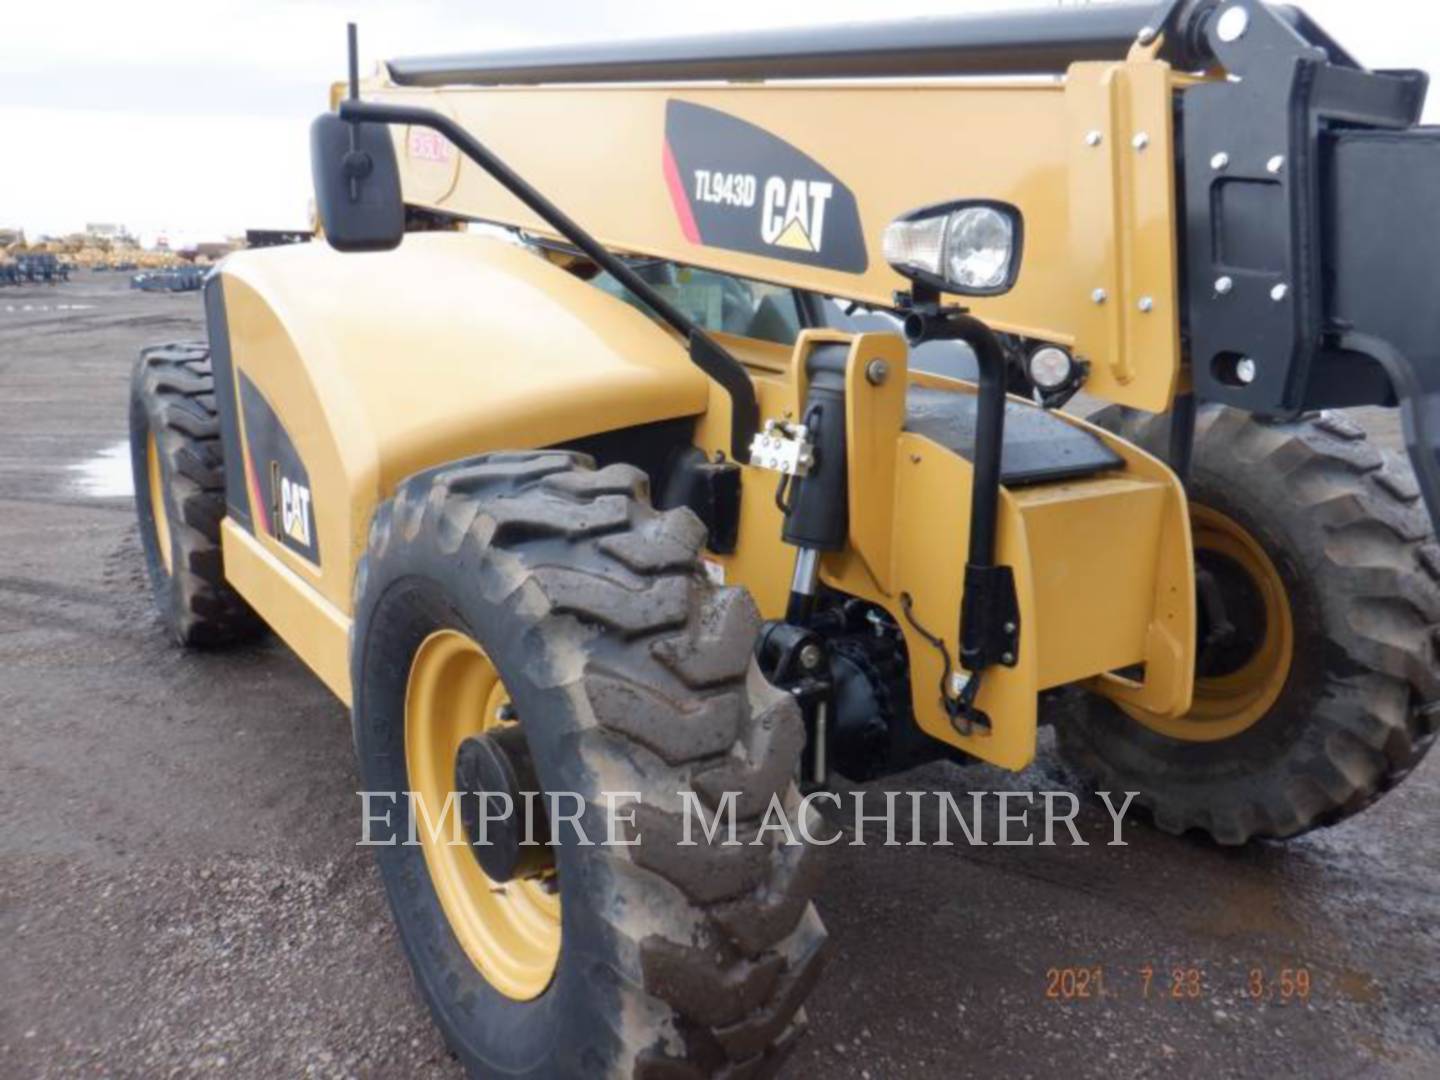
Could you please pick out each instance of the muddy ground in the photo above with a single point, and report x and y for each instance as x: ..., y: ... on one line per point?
x: 180, y: 892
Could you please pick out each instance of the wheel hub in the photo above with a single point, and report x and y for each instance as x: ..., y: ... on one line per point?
x: 502, y: 805
x: 510, y: 929
x: 1245, y: 633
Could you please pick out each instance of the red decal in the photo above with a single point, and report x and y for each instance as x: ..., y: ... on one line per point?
x: 679, y: 198
x: 258, y: 511
x: 426, y: 145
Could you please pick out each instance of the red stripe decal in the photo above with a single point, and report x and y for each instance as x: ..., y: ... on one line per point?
x: 679, y: 198
x: 259, y: 512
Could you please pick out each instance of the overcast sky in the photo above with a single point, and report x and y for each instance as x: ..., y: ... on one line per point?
x: 190, y: 117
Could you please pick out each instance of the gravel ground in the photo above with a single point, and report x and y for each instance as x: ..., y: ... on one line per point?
x: 180, y: 892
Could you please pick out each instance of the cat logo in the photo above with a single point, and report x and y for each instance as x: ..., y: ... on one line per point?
x: 295, y: 511
x: 739, y: 187
x: 792, y: 215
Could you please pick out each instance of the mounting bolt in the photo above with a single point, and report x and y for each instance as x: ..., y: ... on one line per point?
x: 1275, y: 164
x: 1093, y: 138
x: 1099, y: 296
x: 1233, y: 24
x: 1007, y: 658
x: 1245, y: 371
x: 810, y: 657
x: 1140, y: 141
x: 1146, y: 304
x: 1010, y: 628
x: 1146, y: 36
x: 1223, y: 284
x: 876, y: 372
x: 1220, y: 161
x: 1279, y: 292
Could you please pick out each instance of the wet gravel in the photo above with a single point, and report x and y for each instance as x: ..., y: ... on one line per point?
x: 180, y: 893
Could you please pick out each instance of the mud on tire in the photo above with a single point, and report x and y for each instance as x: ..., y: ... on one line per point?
x: 630, y: 672
x: 1349, y: 535
x: 172, y: 400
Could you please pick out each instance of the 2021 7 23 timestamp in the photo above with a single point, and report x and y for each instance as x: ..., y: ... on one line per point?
x: 1259, y: 983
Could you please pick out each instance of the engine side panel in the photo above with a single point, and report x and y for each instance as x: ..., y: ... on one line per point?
x: 343, y: 374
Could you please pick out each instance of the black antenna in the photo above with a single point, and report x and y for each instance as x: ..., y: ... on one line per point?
x: 354, y: 38
x: 353, y: 159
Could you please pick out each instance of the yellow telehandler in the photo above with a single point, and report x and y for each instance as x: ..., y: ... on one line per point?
x: 596, y: 463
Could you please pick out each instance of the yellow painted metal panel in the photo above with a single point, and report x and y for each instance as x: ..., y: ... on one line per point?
x: 452, y: 345
x: 1095, y: 218
x: 317, y: 631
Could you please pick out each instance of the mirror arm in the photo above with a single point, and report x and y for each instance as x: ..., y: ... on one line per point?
x: 705, y: 352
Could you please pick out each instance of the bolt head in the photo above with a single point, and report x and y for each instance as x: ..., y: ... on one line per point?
x: 1233, y: 24
x: 1275, y: 164
x: 810, y: 657
x: 1147, y: 35
x: 1140, y: 141
x: 1223, y: 284
x: 1279, y: 292
x: 876, y: 372
x: 1099, y: 296
x: 1245, y: 371
x: 1007, y: 658
x: 1010, y: 628
x: 1220, y: 161
x: 1093, y: 138
x: 1147, y: 304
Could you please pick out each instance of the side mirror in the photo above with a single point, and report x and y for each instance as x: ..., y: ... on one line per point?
x: 357, y: 184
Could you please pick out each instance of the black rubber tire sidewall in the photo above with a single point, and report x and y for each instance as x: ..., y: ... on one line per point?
x: 388, y: 632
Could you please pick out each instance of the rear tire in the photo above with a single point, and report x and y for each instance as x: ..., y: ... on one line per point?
x: 629, y: 672
x: 1350, y: 541
x: 178, y: 467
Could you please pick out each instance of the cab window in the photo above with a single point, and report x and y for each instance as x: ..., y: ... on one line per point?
x: 722, y: 302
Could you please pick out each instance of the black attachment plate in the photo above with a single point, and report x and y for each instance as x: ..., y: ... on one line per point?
x: 1252, y: 197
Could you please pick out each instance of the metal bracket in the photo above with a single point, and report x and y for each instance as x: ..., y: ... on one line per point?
x: 783, y: 447
x: 989, y: 618
x: 1252, y: 160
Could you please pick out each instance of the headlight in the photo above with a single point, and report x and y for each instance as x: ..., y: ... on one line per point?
x: 970, y: 247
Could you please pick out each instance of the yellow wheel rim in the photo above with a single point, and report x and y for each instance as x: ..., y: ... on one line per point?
x: 510, y: 931
x: 1227, y: 704
x: 157, y: 502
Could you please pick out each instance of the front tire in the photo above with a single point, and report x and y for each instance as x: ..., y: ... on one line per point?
x: 1318, y: 694
x: 628, y: 672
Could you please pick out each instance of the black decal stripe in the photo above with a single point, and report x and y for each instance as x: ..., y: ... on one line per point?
x: 275, y: 460
x: 237, y: 499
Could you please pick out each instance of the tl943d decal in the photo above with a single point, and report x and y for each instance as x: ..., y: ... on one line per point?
x: 738, y: 187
